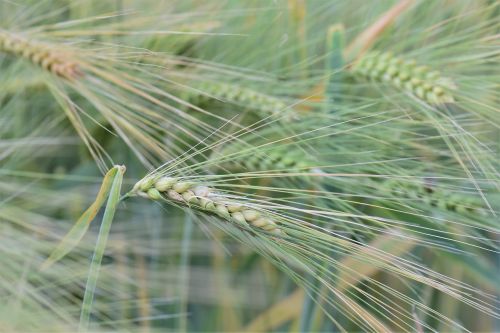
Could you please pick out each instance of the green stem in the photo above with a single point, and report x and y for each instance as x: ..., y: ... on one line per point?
x: 95, y: 265
x: 335, y: 64
x: 184, y: 272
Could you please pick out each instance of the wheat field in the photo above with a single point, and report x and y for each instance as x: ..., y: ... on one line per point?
x: 249, y: 166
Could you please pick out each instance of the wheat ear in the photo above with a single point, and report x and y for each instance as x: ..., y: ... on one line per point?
x: 290, y: 160
x: 421, y: 81
x: 251, y: 99
x: 204, y: 199
x: 286, y: 160
x: 435, y: 197
x: 51, y: 58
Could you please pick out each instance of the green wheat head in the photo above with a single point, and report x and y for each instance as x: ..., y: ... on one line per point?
x: 419, y: 80
x: 249, y: 99
x: 435, y: 196
x: 280, y: 159
x: 204, y: 199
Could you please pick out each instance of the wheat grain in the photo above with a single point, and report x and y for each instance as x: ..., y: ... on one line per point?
x: 204, y: 199
x: 49, y: 57
x: 421, y: 81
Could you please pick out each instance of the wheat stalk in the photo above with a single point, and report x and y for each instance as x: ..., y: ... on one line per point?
x: 204, y: 199
x: 420, y: 81
x: 50, y: 58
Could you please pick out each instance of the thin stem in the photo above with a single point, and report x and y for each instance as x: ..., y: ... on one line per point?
x: 107, y: 219
x: 184, y: 272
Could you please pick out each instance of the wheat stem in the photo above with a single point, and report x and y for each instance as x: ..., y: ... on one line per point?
x: 107, y: 219
x: 49, y: 57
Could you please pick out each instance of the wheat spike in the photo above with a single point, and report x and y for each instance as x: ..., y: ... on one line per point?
x: 251, y: 99
x: 421, y: 81
x: 204, y: 199
x: 49, y: 57
x: 285, y: 160
x: 435, y: 197
x: 290, y: 161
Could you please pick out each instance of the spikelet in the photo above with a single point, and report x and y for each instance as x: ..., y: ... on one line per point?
x: 50, y: 58
x: 420, y: 81
x: 435, y: 197
x: 204, y: 199
x: 264, y: 104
